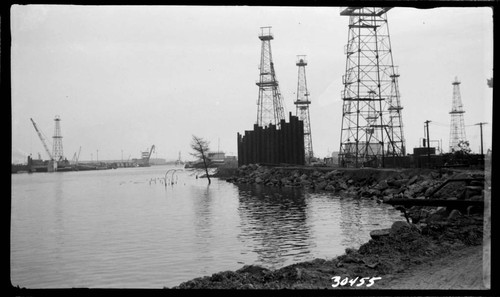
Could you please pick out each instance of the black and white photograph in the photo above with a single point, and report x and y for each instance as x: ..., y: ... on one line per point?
x: 240, y: 147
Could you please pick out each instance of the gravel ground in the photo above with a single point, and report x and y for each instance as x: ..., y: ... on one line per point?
x: 460, y: 270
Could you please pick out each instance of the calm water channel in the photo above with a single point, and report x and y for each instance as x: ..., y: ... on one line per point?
x: 124, y: 229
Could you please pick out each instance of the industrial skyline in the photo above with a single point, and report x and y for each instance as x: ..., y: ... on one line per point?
x: 121, y: 78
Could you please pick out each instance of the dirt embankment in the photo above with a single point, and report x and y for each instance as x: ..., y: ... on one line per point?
x: 422, y: 254
x: 458, y: 270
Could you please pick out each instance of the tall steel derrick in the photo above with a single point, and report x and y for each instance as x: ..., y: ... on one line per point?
x: 57, y: 146
x: 372, y: 127
x: 457, y: 126
x: 302, y: 106
x: 270, y: 103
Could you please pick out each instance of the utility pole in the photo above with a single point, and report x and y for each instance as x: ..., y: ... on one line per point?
x: 481, y: 129
x: 428, y: 144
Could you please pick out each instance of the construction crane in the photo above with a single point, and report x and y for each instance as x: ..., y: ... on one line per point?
x: 76, y: 157
x: 151, y: 151
x: 146, y: 156
x: 42, y: 139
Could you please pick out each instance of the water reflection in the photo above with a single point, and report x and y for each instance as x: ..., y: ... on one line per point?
x: 274, y: 223
x: 57, y: 229
x: 350, y: 220
x: 359, y: 217
x: 202, y: 218
x: 113, y: 229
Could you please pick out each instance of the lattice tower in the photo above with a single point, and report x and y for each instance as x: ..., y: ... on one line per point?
x: 302, y: 107
x: 457, y: 126
x: 270, y: 103
x: 57, y: 145
x: 372, y: 127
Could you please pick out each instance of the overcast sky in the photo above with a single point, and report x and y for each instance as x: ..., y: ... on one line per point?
x: 124, y: 78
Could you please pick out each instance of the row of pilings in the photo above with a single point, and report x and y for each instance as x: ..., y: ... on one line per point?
x: 273, y: 145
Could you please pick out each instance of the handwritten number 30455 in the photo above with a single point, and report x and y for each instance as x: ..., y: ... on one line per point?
x: 346, y: 280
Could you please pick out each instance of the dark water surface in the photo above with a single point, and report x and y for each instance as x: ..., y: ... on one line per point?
x: 124, y: 229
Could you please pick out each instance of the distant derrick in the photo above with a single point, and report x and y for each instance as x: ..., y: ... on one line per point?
x: 457, y: 126
x: 270, y: 104
x: 372, y: 127
x: 302, y: 107
x: 57, y: 146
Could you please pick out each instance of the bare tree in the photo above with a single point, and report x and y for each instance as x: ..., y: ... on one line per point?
x: 200, y: 147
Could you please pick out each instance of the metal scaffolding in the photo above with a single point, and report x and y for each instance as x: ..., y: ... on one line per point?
x: 372, y: 127
x: 270, y: 103
x: 457, y: 126
x: 302, y: 106
x: 57, y: 146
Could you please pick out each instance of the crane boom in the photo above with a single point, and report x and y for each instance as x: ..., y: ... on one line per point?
x: 42, y: 139
x: 78, y: 157
x: 151, y: 151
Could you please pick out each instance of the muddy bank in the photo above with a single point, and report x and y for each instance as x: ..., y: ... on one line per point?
x: 430, y: 234
x: 385, y: 256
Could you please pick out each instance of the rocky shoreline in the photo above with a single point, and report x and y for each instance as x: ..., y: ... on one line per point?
x: 369, y: 183
x: 432, y: 232
x: 362, y: 183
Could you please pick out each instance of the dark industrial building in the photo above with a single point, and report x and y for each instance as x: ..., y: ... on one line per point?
x: 272, y: 144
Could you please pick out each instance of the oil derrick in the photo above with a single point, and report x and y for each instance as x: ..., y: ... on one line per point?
x: 302, y: 107
x: 270, y: 104
x: 57, y: 146
x: 372, y: 127
x: 457, y: 131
